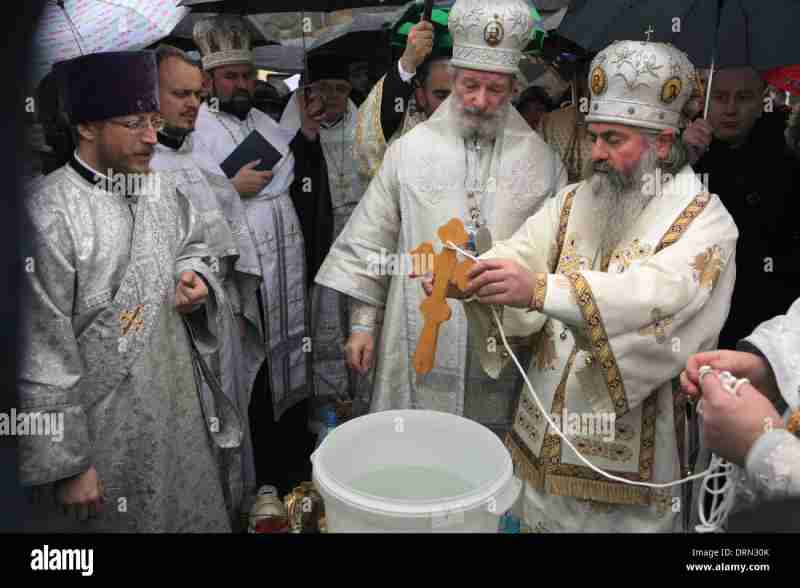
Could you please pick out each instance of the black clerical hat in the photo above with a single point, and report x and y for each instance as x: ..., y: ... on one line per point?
x: 323, y: 66
x: 100, y: 86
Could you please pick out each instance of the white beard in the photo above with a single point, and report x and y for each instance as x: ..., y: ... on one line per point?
x: 619, y: 200
x: 481, y: 126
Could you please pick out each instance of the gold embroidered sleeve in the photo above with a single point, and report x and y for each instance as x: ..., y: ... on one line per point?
x: 539, y: 293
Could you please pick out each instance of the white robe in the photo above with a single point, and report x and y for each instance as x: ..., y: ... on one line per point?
x: 609, y: 345
x: 275, y: 229
x: 106, y: 350
x: 419, y: 188
x: 773, y: 463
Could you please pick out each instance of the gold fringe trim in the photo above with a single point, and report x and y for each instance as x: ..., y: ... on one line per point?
x: 611, y: 492
x: 524, y: 468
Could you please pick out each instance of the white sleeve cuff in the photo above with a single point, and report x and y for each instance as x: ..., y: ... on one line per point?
x: 404, y: 75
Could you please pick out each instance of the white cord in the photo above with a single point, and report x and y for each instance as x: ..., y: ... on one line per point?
x: 718, y: 512
x: 722, y: 498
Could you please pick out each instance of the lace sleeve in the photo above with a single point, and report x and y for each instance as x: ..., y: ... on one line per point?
x: 773, y: 465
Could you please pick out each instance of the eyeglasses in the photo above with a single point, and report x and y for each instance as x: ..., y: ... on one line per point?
x: 141, y: 124
x: 333, y: 89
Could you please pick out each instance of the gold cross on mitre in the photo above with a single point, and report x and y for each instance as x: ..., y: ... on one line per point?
x: 649, y: 32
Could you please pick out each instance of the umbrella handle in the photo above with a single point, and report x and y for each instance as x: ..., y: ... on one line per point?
x: 427, y: 14
x: 708, y: 90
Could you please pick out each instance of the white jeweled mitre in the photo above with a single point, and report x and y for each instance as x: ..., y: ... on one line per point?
x: 490, y: 35
x: 223, y: 40
x: 641, y: 84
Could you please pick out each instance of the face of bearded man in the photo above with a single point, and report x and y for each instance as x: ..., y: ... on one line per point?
x: 234, y: 86
x: 620, y: 196
x: 481, y: 101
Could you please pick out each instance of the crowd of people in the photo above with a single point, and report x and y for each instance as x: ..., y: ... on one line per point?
x: 192, y: 326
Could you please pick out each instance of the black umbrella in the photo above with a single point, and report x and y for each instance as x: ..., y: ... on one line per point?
x: 713, y: 33
x: 728, y: 32
x: 357, y: 38
x: 261, y: 6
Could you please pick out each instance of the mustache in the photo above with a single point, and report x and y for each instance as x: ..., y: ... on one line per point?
x: 601, y: 167
x: 478, y: 113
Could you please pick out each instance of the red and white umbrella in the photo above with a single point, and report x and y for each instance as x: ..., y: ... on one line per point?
x: 71, y: 28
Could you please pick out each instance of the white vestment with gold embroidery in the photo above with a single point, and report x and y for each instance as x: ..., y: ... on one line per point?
x: 419, y: 188
x: 607, y: 349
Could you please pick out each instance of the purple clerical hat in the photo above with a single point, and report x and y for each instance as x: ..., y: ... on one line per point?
x: 100, y: 86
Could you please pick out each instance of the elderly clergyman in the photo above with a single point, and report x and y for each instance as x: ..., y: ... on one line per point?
x: 475, y: 159
x: 620, y: 279
x: 116, y: 265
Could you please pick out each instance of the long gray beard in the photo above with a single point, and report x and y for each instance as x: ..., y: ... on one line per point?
x: 480, y: 126
x: 620, y: 199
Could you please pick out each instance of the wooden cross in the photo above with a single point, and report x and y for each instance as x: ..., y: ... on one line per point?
x: 435, y: 309
x: 649, y: 32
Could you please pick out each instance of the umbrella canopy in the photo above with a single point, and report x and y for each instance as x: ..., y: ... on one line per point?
x: 364, y: 32
x: 71, y: 28
x: 260, y: 6
x: 730, y: 32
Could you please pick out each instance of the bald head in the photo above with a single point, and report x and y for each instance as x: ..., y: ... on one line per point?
x: 737, y: 95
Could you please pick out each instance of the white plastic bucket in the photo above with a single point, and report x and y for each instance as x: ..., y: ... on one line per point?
x: 436, y: 446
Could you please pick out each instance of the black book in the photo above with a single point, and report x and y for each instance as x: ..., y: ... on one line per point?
x: 254, y: 147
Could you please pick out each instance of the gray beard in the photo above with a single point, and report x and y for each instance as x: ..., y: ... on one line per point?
x: 482, y: 127
x: 619, y: 200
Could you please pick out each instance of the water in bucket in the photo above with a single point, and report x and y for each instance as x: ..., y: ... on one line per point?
x: 411, y: 483
x: 437, y: 473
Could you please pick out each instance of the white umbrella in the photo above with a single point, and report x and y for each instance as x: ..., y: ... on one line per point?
x: 71, y: 28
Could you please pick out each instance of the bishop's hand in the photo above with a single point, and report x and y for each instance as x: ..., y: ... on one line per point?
x: 501, y: 281
x: 452, y: 289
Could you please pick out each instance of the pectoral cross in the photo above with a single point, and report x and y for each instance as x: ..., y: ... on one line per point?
x: 649, y: 32
x: 447, y: 269
x: 131, y: 320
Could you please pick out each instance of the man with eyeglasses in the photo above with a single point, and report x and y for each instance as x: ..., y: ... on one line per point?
x: 118, y: 275
x: 236, y: 273
x: 327, y: 187
x: 279, y: 399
